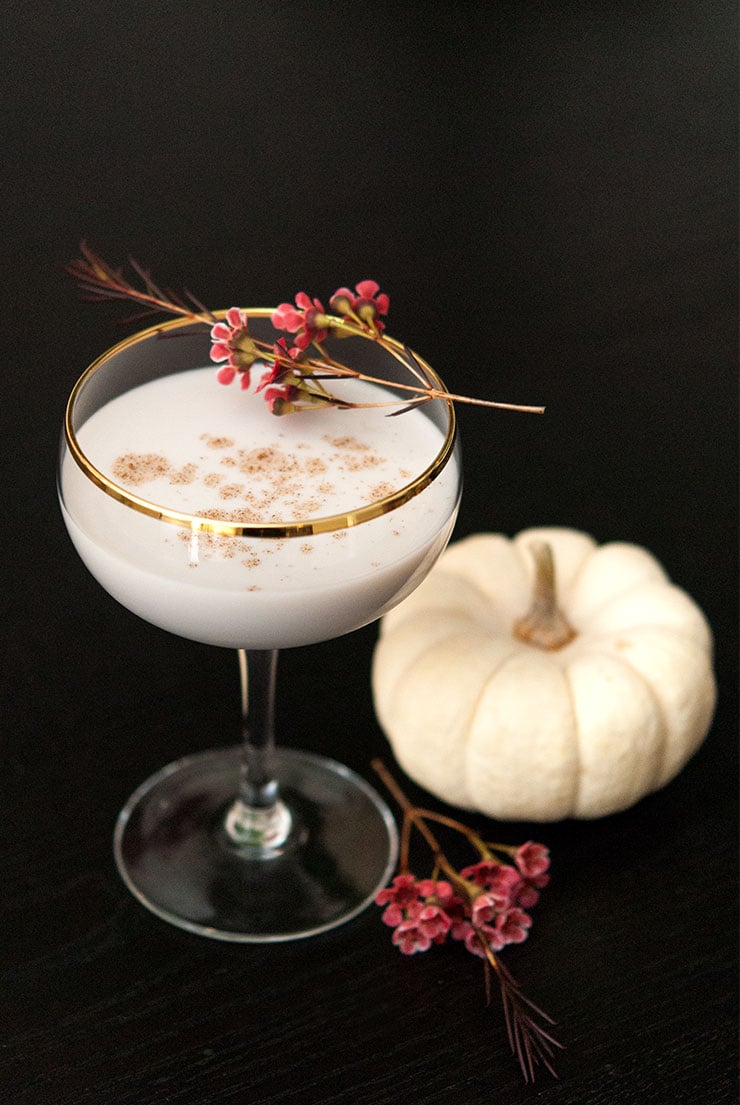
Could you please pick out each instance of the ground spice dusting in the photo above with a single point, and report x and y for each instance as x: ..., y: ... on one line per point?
x: 305, y: 508
x: 358, y: 464
x: 350, y: 443
x: 184, y: 475
x: 138, y: 468
x: 267, y: 463
x: 315, y: 466
x: 275, y: 490
x: 381, y: 491
x: 217, y: 442
x: 231, y: 491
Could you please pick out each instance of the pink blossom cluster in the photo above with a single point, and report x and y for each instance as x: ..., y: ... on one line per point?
x: 232, y: 343
x: 280, y: 383
x: 308, y: 322
x: 365, y: 303
x: 234, y: 348
x: 484, y: 910
x: 421, y: 913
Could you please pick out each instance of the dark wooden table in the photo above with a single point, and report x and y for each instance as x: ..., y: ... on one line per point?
x: 548, y: 195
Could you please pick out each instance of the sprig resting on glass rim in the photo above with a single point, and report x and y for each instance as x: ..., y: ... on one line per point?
x: 296, y: 367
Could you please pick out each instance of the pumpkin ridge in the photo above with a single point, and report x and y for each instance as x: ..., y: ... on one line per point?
x: 421, y: 601
x: 646, y: 570
x: 577, y: 775
x: 487, y: 610
x: 598, y: 638
x: 607, y: 600
x: 677, y: 750
x: 659, y: 711
x: 457, y: 634
x: 471, y: 560
x: 404, y: 669
x: 567, y: 590
x: 404, y: 754
x: 669, y: 591
x: 472, y: 716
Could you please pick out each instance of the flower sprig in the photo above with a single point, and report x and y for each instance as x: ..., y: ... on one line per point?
x: 482, y: 906
x: 293, y: 371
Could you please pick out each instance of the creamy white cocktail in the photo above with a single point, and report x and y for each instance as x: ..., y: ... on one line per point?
x: 206, y: 514
x: 193, y: 448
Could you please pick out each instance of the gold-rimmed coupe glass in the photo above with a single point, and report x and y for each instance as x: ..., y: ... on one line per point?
x: 210, y: 517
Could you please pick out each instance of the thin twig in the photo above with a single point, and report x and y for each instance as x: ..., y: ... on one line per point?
x: 406, y: 806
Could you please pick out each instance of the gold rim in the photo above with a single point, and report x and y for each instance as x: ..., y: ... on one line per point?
x: 325, y: 524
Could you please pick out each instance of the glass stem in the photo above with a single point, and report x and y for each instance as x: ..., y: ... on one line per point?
x: 258, y: 819
x: 257, y: 672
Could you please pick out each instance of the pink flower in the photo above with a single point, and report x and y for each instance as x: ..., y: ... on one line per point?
x: 527, y: 895
x: 532, y: 859
x: 452, y: 903
x: 433, y: 921
x: 510, y: 927
x: 280, y: 400
x: 500, y: 880
x: 513, y: 926
x: 439, y: 890
x: 441, y: 893
x: 366, y: 304
x: 307, y: 320
x: 281, y: 367
x: 410, y: 938
x: 233, y: 343
x: 484, y: 909
x: 399, y: 897
x: 461, y: 930
x: 421, y: 913
x: 479, y: 873
x: 477, y: 938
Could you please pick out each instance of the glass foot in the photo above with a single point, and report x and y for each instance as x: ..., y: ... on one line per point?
x: 177, y: 858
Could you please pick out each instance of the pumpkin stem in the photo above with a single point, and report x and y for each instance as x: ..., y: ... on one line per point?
x: 544, y: 625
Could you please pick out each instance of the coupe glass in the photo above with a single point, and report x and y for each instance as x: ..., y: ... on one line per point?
x: 210, y: 517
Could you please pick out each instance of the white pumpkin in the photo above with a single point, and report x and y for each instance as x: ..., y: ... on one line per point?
x: 539, y: 709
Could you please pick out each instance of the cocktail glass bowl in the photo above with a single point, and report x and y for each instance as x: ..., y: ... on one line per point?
x: 206, y: 515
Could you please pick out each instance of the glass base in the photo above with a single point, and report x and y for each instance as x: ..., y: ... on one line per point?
x: 176, y: 857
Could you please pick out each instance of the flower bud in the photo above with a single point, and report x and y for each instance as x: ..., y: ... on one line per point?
x: 342, y: 301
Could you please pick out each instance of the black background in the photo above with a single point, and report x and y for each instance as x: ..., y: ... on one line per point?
x: 547, y: 193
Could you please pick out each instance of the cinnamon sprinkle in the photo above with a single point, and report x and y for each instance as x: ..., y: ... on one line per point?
x: 217, y: 442
x: 280, y: 485
x: 139, y: 468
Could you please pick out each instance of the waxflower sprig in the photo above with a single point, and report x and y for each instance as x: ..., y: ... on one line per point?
x: 296, y: 367
x: 482, y: 906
